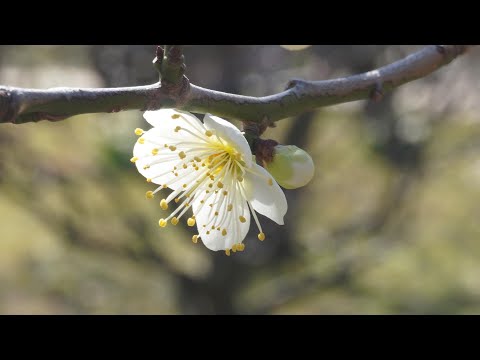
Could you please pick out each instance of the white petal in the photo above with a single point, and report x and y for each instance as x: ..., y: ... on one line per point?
x: 231, y: 134
x: 165, y: 124
x: 268, y: 200
x: 236, y: 231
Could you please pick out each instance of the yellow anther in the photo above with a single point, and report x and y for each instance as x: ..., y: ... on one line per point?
x: 242, y: 219
x: 225, y: 192
x: 227, y: 252
x: 141, y: 140
x: 182, y: 155
x: 213, y: 227
x: 146, y: 167
x: 190, y: 222
x: 216, y: 213
x: 202, y: 201
x: 220, y: 185
x: 208, y: 133
x: 208, y: 232
x: 234, y: 248
x: 195, y: 239
x: 229, y: 207
x: 240, y: 178
x: 212, y: 177
x: 149, y: 180
x: 138, y: 131
x: 164, y: 204
x: 207, y: 191
x: 261, y: 236
x: 149, y: 195
x: 177, y: 200
x: 175, y: 116
x: 134, y: 159
x: 184, y: 186
x: 197, y: 159
x: 203, y: 164
x: 172, y: 148
x: 154, y: 151
x: 184, y: 166
x: 210, y: 185
x: 224, y: 232
x: 176, y: 174
x: 164, y: 186
x: 174, y: 220
x: 270, y: 182
x: 162, y: 223
x: 177, y: 129
x: 240, y: 247
x: 166, y: 145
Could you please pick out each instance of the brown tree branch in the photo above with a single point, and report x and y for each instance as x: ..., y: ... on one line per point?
x: 19, y: 105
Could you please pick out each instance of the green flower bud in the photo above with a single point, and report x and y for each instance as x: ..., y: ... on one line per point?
x: 291, y: 167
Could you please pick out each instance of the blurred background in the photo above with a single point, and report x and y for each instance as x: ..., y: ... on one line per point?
x: 389, y: 224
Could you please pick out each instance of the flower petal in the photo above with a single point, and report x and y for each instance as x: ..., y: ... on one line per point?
x: 268, y: 200
x: 236, y: 231
x: 227, y: 131
x: 158, y: 118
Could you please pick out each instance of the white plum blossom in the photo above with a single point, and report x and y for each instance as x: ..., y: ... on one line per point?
x: 211, y: 170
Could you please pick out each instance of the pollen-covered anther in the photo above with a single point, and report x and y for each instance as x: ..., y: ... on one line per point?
x: 242, y: 219
x: 155, y: 151
x: 164, y: 204
x: 184, y: 186
x: 182, y: 155
x: 149, y: 180
x: 162, y: 223
x: 195, y: 239
x: 220, y: 184
x: 177, y: 200
x: 134, y: 159
x: 240, y: 178
x: 141, y: 140
x: 208, y: 133
x: 172, y: 148
x: 261, y: 236
x: 138, y: 131
x: 184, y: 166
x: 191, y: 222
x: 229, y: 207
x: 227, y: 252
x: 240, y: 247
x: 175, y: 116
x: 149, y: 195
x: 224, y: 232
x: 174, y: 220
x: 270, y: 182
x: 177, y: 129
x: 216, y: 213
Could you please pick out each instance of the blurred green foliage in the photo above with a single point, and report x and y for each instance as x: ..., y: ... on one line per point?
x: 388, y: 224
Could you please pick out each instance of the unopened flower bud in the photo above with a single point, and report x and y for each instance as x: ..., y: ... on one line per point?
x: 291, y: 167
x: 295, y: 47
